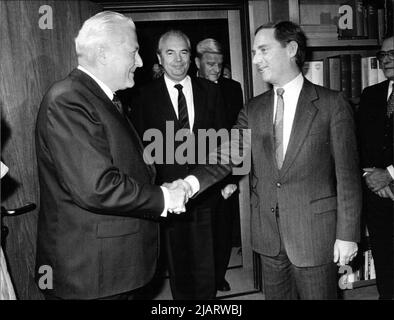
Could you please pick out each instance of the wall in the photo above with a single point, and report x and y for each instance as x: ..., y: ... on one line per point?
x: 31, y: 59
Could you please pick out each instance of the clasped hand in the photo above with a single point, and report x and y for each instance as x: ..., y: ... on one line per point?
x: 379, y: 181
x: 180, y: 191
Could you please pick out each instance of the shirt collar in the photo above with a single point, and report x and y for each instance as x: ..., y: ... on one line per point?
x: 294, y: 85
x: 101, y: 84
x: 170, y: 83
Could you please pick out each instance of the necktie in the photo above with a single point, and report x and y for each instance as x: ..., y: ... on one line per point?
x: 390, y: 104
x: 278, y: 128
x: 182, y: 108
x: 118, y: 104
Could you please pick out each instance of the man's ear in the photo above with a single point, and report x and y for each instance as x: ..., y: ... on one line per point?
x: 159, y: 58
x: 292, y: 48
x: 102, y: 55
x: 197, y: 62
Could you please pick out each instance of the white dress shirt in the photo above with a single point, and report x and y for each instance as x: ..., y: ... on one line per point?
x: 110, y: 95
x: 187, y: 92
x: 102, y: 85
x: 390, y: 169
x: 290, y: 100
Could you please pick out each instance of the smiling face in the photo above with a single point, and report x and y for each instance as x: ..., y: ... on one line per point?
x: 175, y: 57
x: 210, y: 66
x: 387, y: 63
x: 122, y: 59
x: 273, y: 61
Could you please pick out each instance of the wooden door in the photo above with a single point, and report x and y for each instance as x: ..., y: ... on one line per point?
x: 37, y: 48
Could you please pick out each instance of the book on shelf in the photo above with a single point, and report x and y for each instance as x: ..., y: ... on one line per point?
x: 371, y: 72
x: 353, y: 21
x: 372, y: 19
x: 355, y: 75
x: 381, y: 20
x: 388, y: 6
x: 334, y: 73
x: 350, y: 73
x: 314, y: 71
x: 345, y: 75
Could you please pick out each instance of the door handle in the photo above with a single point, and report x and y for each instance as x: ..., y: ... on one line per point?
x: 15, y: 212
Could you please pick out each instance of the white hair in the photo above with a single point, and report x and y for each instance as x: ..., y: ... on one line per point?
x: 208, y: 45
x: 100, y: 29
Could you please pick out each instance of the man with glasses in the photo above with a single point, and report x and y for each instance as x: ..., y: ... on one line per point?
x: 375, y: 126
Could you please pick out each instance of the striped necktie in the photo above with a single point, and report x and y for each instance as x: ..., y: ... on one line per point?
x: 390, y: 104
x: 118, y: 104
x: 278, y: 128
x: 182, y: 108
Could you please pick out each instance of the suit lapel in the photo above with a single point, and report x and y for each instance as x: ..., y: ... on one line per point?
x: 267, y: 127
x: 165, y: 106
x: 199, y: 101
x: 97, y: 91
x: 381, y: 100
x: 305, y: 113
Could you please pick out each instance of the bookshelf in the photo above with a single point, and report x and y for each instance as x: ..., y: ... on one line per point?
x: 328, y: 42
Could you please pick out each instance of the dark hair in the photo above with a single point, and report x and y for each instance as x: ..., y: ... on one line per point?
x: 285, y: 32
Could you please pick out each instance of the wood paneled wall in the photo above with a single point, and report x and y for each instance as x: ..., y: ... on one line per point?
x: 31, y: 60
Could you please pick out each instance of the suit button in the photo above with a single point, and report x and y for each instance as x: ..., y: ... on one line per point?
x: 272, y: 209
x: 278, y: 184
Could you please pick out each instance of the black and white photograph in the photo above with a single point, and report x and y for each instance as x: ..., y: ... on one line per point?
x: 200, y: 152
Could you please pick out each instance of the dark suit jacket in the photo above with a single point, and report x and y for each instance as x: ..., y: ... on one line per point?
x: 318, y: 187
x: 152, y: 108
x: 376, y: 148
x: 95, y: 190
x: 233, y: 102
x: 232, y: 98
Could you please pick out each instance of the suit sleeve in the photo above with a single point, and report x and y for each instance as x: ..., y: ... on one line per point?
x: 345, y: 154
x: 82, y: 158
x: 229, y: 155
x: 361, y: 117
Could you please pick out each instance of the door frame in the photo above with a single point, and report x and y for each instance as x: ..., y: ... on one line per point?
x: 239, y: 10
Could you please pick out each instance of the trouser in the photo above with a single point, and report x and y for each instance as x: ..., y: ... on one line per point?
x: 282, y: 280
x: 190, y: 255
x: 223, y: 218
x: 130, y: 295
x: 380, y: 227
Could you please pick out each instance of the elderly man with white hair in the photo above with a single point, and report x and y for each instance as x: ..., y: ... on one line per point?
x: 96, y: 229
x: 209, y: 62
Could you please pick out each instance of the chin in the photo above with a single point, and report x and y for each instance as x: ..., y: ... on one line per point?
x: 389, y: 74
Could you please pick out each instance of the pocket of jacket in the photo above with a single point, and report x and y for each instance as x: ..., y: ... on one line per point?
x: 324, y: 204
x: 117, y: 228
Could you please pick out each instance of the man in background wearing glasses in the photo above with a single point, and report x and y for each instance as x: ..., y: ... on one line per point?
x: 375, y: 126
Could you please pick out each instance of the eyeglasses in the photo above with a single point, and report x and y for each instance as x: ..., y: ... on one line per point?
x: 381, y: 54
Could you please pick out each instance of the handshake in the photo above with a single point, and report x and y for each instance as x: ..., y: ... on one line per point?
x: 180, y: 191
